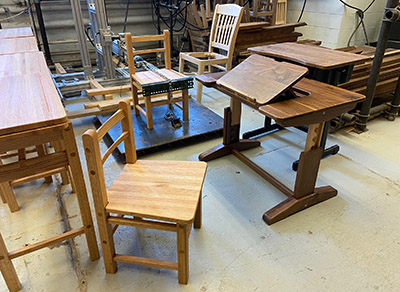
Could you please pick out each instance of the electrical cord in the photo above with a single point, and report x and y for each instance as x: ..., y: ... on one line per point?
x: 302, y: 11
x: 16, y: 15
x: 360, y: 13
x: 126, y: 15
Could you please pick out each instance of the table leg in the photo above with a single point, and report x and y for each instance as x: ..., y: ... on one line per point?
x: 76, y: 170
x: 231, y: 139
x: 305, y: 194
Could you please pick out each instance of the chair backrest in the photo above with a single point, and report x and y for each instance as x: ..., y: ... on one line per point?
x: 95, y: 160
x: 166, y: 49
x: 265, y: 8
x: 225, y: 28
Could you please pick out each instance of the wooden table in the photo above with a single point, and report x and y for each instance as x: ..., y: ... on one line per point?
x: 289, y: 103
x: 32, y: 115
x: 17, y: 45
x: 16, y: 32
x: 329, y: 66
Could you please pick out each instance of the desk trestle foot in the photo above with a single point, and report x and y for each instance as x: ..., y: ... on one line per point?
x: 292, y: 205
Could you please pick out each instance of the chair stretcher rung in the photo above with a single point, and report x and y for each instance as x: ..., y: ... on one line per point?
x: 145, y: 262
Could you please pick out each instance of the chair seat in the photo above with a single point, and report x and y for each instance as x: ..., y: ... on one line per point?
x: 204, y: 57
x: 147, y: 77
x: 163, y: 190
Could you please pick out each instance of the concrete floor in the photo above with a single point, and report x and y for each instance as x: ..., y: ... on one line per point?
x: 348, y: 243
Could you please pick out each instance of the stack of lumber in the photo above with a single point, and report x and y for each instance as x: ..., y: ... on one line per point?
x: 254, y: 34
x: 388, y: 75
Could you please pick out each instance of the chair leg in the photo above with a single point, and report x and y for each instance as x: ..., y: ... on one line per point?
x: 3, y: 198
x: 183, y: 253
x: 9, y: 196
x: 197, y: 216
x: 199, y: 85
x: 107, y: 243
x: 40, y: 149
x: 71, y: 179
x: 181, y: 64
x: 135, y: 100
x: 7, y: 269
x: 64, y: 176
x: 185, y: 104
x: 149, y: 112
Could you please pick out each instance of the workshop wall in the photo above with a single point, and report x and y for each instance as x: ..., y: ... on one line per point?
x: 333, y: 23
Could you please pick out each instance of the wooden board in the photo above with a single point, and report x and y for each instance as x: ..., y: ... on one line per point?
x: 23, y: 63
x: 17, y: 45
x: 28, y: 102
x: 310, y: 56
x: 260, y: 79
x: 16, y: 32
x: 317, y: 102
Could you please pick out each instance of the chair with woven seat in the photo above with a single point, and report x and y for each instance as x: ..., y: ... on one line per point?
x: 140, y: 80
x: 224, y: 30
x: 164, y: 195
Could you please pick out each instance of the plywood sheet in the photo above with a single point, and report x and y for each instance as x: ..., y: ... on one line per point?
x: 17, y: 45
x: 16, y: 32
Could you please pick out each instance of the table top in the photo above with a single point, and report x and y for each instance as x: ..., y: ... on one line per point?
x: 17, y: 45
x: 315, y: 102
x: 16, y: 32
x: 23, y: 63
x: 260, y: 79
x: 28, y: 102
x: 310, y: 56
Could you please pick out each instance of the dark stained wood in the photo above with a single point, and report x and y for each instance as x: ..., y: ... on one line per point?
x: 317, y: 102
x: 310, y: 56
x: 260, y: 79
x: 307, y: 172
x: 210, y: 80
x: 292, y: 205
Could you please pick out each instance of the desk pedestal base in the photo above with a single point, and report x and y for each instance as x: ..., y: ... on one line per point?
x: 304, y: 194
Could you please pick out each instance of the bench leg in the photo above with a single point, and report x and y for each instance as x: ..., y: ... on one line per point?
x: 7, y: 269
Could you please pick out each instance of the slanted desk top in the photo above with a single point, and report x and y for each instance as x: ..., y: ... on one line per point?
x: 250, y: 78
x: 16, y: 32
x: 310, y: 56
x: 28, y: 102
x: 23, y: 63
x: 17, y: 45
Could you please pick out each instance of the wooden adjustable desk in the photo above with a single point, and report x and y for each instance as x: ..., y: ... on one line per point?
x: 325, y: 65
x: 273, y: 89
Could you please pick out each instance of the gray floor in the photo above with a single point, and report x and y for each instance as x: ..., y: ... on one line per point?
x: 348, y: 243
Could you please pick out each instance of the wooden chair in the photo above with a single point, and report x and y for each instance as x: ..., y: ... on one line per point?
x: 198, y: 28
x: 140, y: 79
x: 164, y: 195
x: 224, y: 30
x: 262, y: 10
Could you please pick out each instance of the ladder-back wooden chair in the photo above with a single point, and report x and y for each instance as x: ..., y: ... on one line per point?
x: 142, y: 79
x: 164, y: 195
x: 223, y: 35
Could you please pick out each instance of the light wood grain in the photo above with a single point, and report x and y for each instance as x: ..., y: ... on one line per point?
x: 33, y: 101
x: 17, y: 45
x: 261, y: 79
x: 23, y: 63
x: 16, y: 32
x: 164, y: 190
x: 310, y: 56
